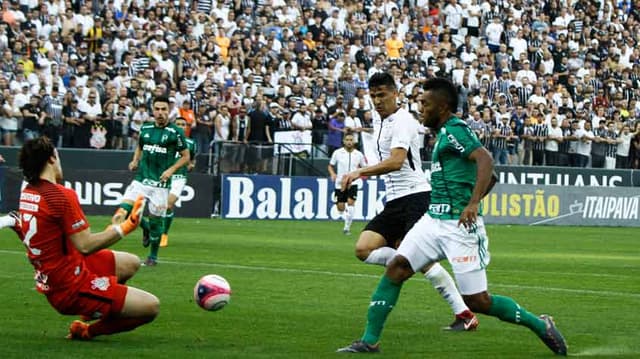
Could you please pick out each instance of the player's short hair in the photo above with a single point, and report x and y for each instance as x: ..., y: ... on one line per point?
x: 164, y: 99
x: 33, y: 157
x: 382, y: 79
x: 445, y: 90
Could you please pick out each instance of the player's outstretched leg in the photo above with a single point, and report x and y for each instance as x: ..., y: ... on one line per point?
x: 168, y: 219
x: 506, y: 309
x: 442, y: 281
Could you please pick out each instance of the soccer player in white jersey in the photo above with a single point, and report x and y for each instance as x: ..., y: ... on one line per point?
x: 407, y: 194
x: 345, y: 160
x: 461, y: 175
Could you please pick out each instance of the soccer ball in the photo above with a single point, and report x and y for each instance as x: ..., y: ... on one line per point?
x: 212, y: 292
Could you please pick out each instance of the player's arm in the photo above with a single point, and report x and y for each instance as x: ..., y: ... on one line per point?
x: 332, y: 172
x: 494, y: 180
x: 484, y: 176
x: 133, y: 165
x: 192, y: 159
x: 393, y: 163
x: 185, y: 157
x: 87, y: 242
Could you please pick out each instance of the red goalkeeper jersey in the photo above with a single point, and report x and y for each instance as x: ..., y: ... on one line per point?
x: 50, y: 214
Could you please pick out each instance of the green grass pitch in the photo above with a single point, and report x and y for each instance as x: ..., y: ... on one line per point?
x: 299, y: 292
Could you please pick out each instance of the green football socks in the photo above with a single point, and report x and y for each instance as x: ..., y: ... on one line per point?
x: 506, y: 309
x: 167, y: 221
x: 156, y: 225
x: 382, y: 302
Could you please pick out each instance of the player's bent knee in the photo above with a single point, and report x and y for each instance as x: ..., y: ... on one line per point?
x: 140, y: 304
x: 368, y: 242
x: 399, y: 269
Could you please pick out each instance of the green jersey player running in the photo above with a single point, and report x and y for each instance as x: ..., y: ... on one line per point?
x: 154, y: 161
x: 178, y: 181
x: 452, y: 228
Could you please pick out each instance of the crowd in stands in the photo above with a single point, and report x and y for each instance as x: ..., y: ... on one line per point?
x: 541, y: 82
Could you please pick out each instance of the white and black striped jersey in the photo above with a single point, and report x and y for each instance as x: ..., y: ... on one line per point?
x: 344, y: 162
x: 401, y: 130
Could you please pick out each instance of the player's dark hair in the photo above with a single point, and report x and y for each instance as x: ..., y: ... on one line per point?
x: 382, y: 79
x: 444, y: 90
x: 164, y: 99
x: 33, y: 157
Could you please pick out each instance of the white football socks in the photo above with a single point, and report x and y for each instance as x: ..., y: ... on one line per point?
x: 444, y: 284
x: 381, y: 256
x: 348, y: 217
x: 7, y: 221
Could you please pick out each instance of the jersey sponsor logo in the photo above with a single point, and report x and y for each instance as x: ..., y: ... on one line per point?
x: 101, y: 283
x: 452, y: 139
x: 30, y: 207
x: 439, y: 208
x: 41, y: 281
x: 154, y: 149
x: 464, y: 259
x: 31, y: 197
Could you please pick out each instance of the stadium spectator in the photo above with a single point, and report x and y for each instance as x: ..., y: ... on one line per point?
x: 571, y: 58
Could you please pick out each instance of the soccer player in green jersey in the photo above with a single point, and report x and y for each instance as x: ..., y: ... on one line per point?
x: 178, y: 181
x: 154, y: 161
x: 452, y: 228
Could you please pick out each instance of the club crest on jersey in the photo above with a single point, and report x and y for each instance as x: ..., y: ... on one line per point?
x: 101, y: 283
x: 164, y: 138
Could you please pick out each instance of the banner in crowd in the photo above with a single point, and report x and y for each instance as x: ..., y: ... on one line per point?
x: 292, y: 142
x: 275, y: 197
x: 567, y: 176
x: 563, y: 205
x: 100, y: 192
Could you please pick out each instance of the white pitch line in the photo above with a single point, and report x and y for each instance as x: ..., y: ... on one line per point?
x: 360, y: 275
x: 603, y: 293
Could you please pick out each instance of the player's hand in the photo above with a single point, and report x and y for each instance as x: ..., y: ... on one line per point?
x: 333, y: 178
x: 190, y: 167
x: 133, y: 221
x: 349, y: 178
x: 469, y: 216
x: 166, y: 175
x: 133, y: 165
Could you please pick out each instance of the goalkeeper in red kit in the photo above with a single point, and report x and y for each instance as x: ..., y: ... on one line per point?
x: 73, y: 269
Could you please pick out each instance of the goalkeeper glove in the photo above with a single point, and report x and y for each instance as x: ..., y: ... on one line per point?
x: 131, y: 223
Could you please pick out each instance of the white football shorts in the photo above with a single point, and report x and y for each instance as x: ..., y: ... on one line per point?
x: 177, y: 185
x: 431, y: 240
x: 157, y: 198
